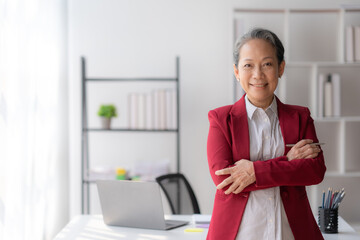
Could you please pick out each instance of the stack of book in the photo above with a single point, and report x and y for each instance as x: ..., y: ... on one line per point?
x: 329, y: 101
x: 155, y: 110
x: 352, y: 44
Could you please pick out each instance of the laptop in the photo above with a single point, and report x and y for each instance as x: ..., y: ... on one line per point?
x: 133, y: 204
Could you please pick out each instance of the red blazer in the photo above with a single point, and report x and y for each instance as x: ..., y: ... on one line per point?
x: 228, y: 142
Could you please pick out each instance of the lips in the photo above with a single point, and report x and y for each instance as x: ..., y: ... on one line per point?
x: 258, y: 85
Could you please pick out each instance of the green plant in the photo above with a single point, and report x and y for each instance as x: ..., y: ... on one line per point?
x: 107, y: 111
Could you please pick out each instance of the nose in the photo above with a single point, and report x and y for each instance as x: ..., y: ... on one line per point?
x: 257, y: 72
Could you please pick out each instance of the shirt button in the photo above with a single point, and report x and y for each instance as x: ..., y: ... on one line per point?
x: 270, y: 198
x: 270, y: 220
x: 266, y: 137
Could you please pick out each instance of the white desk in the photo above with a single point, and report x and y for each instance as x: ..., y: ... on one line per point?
x: 92, y: 227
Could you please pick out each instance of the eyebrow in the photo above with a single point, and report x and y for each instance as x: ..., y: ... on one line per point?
x: 249, y: 59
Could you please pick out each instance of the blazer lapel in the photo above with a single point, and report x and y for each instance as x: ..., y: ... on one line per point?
x: 240, y: 131
x: 289, y: 124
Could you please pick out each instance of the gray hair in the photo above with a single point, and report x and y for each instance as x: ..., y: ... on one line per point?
x: 260, y: 33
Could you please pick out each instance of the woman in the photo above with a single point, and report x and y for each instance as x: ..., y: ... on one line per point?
x: 261, y: 182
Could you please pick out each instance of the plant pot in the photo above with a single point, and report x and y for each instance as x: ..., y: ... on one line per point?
x: 105, y: 123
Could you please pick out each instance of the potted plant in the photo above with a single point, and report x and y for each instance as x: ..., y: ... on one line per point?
x: 106, y: 112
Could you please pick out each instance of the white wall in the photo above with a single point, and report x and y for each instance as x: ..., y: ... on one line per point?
x: 142, y: 38
x: 130, y: 38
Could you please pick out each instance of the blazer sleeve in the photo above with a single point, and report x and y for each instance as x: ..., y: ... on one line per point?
x: 219, y: 151
x: 298, y: 172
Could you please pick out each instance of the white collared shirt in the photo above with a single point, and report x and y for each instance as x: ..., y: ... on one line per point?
x: 264, y: 216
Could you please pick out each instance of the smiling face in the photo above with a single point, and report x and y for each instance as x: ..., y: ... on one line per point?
x: 258, y: 71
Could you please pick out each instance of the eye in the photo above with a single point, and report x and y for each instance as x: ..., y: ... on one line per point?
x: 247, y: 65
x: 268, y: 64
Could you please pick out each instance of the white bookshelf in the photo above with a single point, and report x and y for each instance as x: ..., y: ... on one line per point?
x: 314, y: 41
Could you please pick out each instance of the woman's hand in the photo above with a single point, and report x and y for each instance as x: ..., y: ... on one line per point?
x: 241, y: 176
x: 303, y: 149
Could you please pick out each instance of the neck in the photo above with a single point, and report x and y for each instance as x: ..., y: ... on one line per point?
x: 262, y: 104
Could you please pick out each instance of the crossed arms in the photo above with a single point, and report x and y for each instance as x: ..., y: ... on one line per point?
x: 303, y: 164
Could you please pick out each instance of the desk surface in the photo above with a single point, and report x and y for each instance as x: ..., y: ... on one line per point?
x: 92, y: 227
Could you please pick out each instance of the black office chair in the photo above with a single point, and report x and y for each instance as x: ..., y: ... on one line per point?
x: 179, y: 193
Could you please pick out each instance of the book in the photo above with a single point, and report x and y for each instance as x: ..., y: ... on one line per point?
x: 156, y: 109
x: 336, y: 87
x: 162, y: 108
x: 357, y: 43
x: 321, y: 82
x: 149, y: 111
x: 159, y: 98
x: 133, y: 110
x: 328, y: 97
x: 141, y: 115
x: 169, y: 107
x: 349, y: 44
x: 174, y: 109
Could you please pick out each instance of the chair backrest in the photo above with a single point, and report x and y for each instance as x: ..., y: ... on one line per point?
x: 179, y: 193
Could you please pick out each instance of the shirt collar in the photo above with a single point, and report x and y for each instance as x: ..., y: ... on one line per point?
x: 250, y: 108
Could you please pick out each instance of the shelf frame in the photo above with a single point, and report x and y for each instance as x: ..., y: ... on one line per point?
x: 85, y: 183
x: 346, y: 15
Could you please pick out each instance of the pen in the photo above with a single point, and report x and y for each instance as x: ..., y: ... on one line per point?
x: 316, y: 144
x: 340, y: 199
x: 323, y: 199
x: 334, y: 200
x: 341, y: 193
x: 331, y: 200
x: 328, y: 199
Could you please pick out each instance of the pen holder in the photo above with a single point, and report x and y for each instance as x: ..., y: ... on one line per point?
x: 328, y: 220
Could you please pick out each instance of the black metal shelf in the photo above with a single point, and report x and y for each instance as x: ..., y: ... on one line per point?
x: 85, y: 182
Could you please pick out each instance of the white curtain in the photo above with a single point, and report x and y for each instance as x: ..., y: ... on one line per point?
x: 33, y: 119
